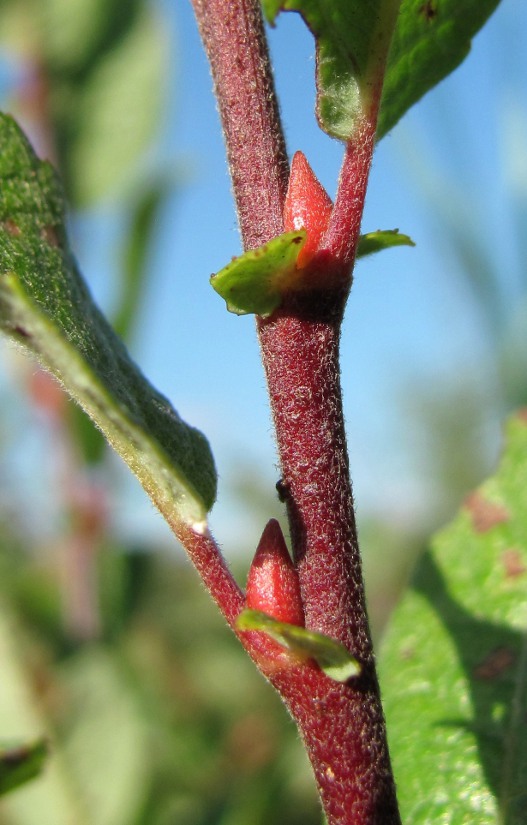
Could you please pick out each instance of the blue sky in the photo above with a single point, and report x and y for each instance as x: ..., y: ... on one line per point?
x: 410, y: 320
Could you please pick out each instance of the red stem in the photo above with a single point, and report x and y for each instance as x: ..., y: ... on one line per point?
x: 342, y: 236
x: 212, y: 568
x: 342, y: 725
x: 301, y: 361
x: 234, y: 39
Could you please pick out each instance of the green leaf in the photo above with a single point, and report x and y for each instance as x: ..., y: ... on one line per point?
x: 143, y: 222
x: 20, y: 763
x: 382, y: 239
x: 22, y: 720
x: 45, y: 307
x: 117, y: 110
x: 107, y: 64
x: 107, y: 744
x: 431, y: 39
x: 74, y: 33
x: 331, y: 656
x: 453, y: 666
x: 352, y: 42
x: 256, y: 281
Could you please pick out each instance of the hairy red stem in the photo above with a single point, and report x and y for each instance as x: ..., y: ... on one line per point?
x: 212, y: 568
x: 341, y: 238
x: 342, y: 724
x: 301, y: 362
x: 234, y: 39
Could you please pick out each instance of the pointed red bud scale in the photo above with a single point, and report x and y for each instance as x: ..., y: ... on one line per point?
x: 307, y: 205
x: 272, y: 583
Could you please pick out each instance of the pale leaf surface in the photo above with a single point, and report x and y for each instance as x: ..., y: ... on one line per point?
x: 453, y: 666
x: 46, y: 308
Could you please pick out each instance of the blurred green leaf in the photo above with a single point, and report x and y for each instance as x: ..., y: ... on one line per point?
x: 117, y: 112
x: 106, y: 745
x: 455, y: 659
x: 331, y: 656
x: 382, y: 239
x: 215, y: 746
x: 22, y: 719
x: 431, y: 39
x: 139, y: 236
x: 20, y: 763
x: 89, y: 439
x: 256, y: 281
x: 75, y: 32
x: 352, y: 41
x: 102, y: 67
x: 46, y: 308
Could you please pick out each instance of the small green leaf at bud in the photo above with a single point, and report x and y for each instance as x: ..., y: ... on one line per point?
x: 330, y: 655
x: 256, y: 281
x: 381, y: 239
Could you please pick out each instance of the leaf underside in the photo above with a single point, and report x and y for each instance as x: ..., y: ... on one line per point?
x: 453, y: 667
x: 352, y: 40
x: 431, y: 39
x: 46, y: 308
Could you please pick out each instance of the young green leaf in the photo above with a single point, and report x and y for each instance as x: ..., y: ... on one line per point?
x: 455, y: 659
x: 352, y: 43
x: 20, y: 763
x: 431, y: 39
x: 382, y: 239
x: 331, y: 656
x: 47, y: 309
x: 256, y: 281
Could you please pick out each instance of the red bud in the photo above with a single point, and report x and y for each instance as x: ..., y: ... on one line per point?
x: 272, y: 583
x: 307, y: 205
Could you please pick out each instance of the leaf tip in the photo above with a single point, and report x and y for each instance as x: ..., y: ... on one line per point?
x: 271, y: 9
x: 200, y: 527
